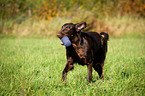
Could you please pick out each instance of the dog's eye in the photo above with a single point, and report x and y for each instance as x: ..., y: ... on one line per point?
x: 67, y: 28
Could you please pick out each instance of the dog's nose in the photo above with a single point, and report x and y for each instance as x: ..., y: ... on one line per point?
x: 58, y: 35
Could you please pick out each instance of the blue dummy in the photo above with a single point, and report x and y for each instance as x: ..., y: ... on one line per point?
x: 66, y: 41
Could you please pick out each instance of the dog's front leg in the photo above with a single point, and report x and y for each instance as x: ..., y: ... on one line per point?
x: 89, y: 77
x: 68, y: 66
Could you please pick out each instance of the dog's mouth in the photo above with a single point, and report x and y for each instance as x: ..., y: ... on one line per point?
x: 61, y: 43
x: 65, y: 41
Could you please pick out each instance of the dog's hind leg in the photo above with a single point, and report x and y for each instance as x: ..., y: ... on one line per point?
x: 89, y: 77
x: 99, y: 68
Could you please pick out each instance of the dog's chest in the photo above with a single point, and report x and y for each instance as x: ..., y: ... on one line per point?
x: 82, y: 49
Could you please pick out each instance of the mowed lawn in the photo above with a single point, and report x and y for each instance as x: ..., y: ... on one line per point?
x: 34, y: 67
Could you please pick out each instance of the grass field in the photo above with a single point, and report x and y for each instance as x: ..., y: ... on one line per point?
x: 34, y: 67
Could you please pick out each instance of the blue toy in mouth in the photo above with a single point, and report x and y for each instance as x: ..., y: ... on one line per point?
x: 66, y: 41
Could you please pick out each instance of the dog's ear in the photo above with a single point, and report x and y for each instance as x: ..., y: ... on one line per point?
x: 80, y: 26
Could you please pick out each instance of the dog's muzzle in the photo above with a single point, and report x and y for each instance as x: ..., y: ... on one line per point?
x: 66, y: 41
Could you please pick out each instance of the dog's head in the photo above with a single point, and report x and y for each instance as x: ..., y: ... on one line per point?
x: 70, y: 29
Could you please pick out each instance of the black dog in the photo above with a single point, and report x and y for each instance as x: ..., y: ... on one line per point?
x: 87, y: 48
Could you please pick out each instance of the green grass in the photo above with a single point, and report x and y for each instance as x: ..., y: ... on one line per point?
x: 34, y: 67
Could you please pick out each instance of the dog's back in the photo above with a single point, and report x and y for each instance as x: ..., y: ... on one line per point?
x: 99, y: 42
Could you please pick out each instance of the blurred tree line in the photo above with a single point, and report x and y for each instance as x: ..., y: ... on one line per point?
x: 46, y: 9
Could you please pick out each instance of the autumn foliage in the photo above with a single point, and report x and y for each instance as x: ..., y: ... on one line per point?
x: 45, y: 17
x: 46, y: 9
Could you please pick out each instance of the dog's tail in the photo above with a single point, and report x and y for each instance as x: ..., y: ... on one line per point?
x: 104, y: 39
x: 105, y: 36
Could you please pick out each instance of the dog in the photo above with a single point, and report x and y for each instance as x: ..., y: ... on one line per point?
x: 84, y: 48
